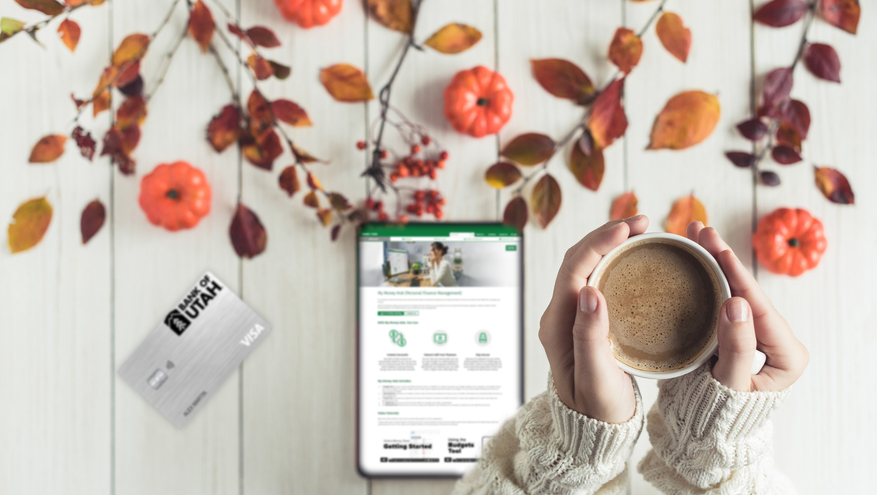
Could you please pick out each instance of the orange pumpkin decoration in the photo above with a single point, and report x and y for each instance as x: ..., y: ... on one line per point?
x: 789, y: 241
x: 309, y: 13
x: 478, y: 102
x: 175, y: 196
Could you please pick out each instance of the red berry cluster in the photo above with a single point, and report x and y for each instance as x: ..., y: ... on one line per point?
x: 413, y: 166
x: 377, y: 207
x: 428, y: 201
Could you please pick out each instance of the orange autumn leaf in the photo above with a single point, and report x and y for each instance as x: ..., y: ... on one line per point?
x: 625, y: 50
x: 588, y: 169
x: 107, y: 77
x: 29, y: 223
x: 101, y: 103
x: 325, y: 216
x: 48, y: 7
x: 624, y: 206
x: 48, y: 148
x: 516, y: 213
x: 132, y: 111
x: 545, y: 200
x: 260, y: 114
x: 132, y: 48
x: 225, y: 128
x: 314, y: 182
x: 201, y: 25
x: 261, y: 68
x: 453, y: 38
x: 311, y: 200
x: 288, y: 180
x: 834, y: 185
x: 290, y: 113
x: 608, y: 121
x: 563, y: 79
x: 675, y: 37
x: 687, y: 119
x: 397, y: 15
x: 69, y: 32
x: 346, y: 83
x: 502, y: 174
x: 685, y: 211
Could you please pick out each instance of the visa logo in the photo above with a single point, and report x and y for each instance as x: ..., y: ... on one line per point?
x: 252, y: 335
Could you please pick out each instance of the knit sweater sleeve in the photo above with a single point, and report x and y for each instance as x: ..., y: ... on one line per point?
x: 709, y: 439
x: 548, y: 448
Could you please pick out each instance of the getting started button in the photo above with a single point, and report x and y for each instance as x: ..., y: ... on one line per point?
x: 398, y: 313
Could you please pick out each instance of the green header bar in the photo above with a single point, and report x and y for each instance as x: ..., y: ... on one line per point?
x: 438, y: 230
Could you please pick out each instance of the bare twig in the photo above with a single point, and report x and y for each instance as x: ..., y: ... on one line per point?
x: 166, y: 64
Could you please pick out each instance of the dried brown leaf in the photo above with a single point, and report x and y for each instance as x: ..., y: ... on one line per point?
x: 453, y: 38
x: 563, y: 79
x: 289, y: 180
x: 201, y: 25
x: 397, y: 15
x: 516, y: 213
x: 248, y: 236
x: 502, y: 174
x: 545, y: 200
x: 48, y: 149
x: 346, y: 83
x: 626, y: 49
x: 261, y: 68
x: 529, y: 149
x: 29, y: 223
x: 262, y: 36
x: 587, y: 169
x: 224, y: 128
x: 92, y: 219
x: 687, y: 119
x: 289, y: 112
x: 48, y: 7
x: 834, y: 185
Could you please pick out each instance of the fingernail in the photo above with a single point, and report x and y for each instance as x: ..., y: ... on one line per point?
x: 588, y: 300
x: 635, y: 217
x: 738, y: 311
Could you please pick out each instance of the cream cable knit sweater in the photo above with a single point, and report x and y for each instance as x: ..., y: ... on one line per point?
x: 706, y: 439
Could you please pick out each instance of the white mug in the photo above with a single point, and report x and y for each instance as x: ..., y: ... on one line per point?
x: 712, y: 349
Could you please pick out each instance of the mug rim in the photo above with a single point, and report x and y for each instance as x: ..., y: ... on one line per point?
x: 723, y: 284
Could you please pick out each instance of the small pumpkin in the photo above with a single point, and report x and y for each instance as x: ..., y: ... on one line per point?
x: 478, y: 102
x: 789, y: 241
x: 175, y: 196
x: 309, y: 13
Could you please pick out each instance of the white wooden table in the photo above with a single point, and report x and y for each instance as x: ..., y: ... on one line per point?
x: 284, y: 423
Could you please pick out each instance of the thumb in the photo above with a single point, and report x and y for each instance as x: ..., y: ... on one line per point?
x: 593, y: 357
x: 737, y: 344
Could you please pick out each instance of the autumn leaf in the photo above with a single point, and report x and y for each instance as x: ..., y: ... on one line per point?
x: 769, y: 178
x: 529, y: 149
x: 48, y: 149
x: 834, y: 185
x: 339, y: 201
x: 788, y: 135
x: 785, y: 155
x: 263, y: 151
x: 92, y: 219
x: 280, y: 71
x: 502, y: 174
x: 624, y: 206
x: 311, y: 200
x: 453, y: 38
x: 127, y: 77
x: 563, y: 79
x: 777, y: 86
x: 201, y: 25
x: 325, y: 216
x: 261, y: 119
x: 302, y: 156
x: 335, y: 231
x: 626, y: 49
x: 289, y: 180
x: 107, y: 77
x: 741, y: 159
x: 752, y: 129
x: 822, y: 61
x: 100, y: 103
x: 608, y: 121
x: 397, y: 15
x: 131, y: 49
x: 289, y: 112
x: 132, y: 111
x: 69, y: 32
x: 780, y: 13
x: 248, y: 236
x: 29, y: 223
x: 48, y: 7
x: 673, y: 34
x: 515, y: 213
x: 587, y: 169
x: 586, y: 142
x: 797, y: 115
x: 9, y: 27
x: 346, y: 83
x: 224, y: 128
x: 686, y: 210
x: 843, y: 14
x: 687, y: 119
x: 84, y: 141
x: 262, y: 36
x: 261, y: 68
x: 545, y: 199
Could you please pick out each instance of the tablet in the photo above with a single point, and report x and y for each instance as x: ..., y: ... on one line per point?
x: 439, y: 344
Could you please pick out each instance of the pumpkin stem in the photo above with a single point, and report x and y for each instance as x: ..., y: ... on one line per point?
x: 173, y: 194
x: 793, y: 242
x: 481, y: 102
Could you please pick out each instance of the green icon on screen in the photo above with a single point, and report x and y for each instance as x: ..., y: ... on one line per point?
x: 482, y: 338
x: 440, y: 337
x: 398, y: 338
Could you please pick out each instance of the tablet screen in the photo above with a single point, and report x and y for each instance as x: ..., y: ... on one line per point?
x: 439, y: 344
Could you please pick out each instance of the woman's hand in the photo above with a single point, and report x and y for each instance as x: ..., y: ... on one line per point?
x: 574, y: 330
x: 748, y: 321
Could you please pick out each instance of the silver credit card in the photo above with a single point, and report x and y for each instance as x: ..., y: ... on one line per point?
x: 198, y: 344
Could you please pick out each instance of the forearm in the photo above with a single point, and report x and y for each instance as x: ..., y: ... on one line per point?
x: 548, y: 448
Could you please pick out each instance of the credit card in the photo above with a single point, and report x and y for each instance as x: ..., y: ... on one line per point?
x: 198, y: 344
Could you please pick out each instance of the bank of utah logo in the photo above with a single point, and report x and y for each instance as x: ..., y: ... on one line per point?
x: 176, y: 321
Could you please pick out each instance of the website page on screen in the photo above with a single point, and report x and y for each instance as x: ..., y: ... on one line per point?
x: 439, y: 344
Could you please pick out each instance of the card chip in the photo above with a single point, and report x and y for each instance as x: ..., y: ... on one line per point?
x: 157, y: 379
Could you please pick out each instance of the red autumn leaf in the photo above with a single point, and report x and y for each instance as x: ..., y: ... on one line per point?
x: 314, y: 182
x: 248, y: 236
x: 128, y: 76
x: 673, y: 34
x: 587, y: 169
x: 280, y: 71
x: 118, y: 144
x: 752, y: 129
x: 586, y: 142
x: 687, y: 119
x: 48, y: 149
x: 453, y: 38
x: 624, y: 206
x: 260, y: 114
x: 339, y: 201
x: 797, y: 115
x: 545, y: 199
x: 201, y: 25
x: 788, y: 136
x: 834, y: 185
x: 325, y: 216
x: 289, y: 112
x: 311, y: 200
x: 237, y: 31
x: 777, y: 86
x: 261, y: 68
x: 843, y: 14
x: 262, y: 36
x: 263, y: 151
x: 130, y: 138
x: 822, y: 61
x: 107, y: 77
x: 131, y: 49
x: 502, y: 174
x: 84, y: 141
x: 785, y: 155
x: 563, y: 79
x: 132, y: 111
x: 769, y: 178
x: 69, y: 32
x: 92, y: 219
x: 289, y: 180
x: 685, y: 211
x: 346, y: 83
x: 626, y: 49
x: 224, y: 128
x: 779, y: 13
x: 529, y: 149
x: 397, y: 15
x: 335, y: 231
x: 29, y: 223
x: 608, y: 121
x: 302, y: 156
x: 48, y: 7
x: 515, y: 213
x: 741, y: 159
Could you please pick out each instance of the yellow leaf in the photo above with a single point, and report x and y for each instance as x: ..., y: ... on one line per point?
x: 346, y: 83
x: 29, y: 224
x: 132, y: 48
x: 685, y: 211
x: 453, y: 38
x: 687, y: 119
